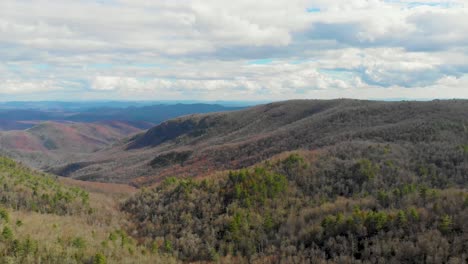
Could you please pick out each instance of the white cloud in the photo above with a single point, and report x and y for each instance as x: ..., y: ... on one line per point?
x: 202, y: 48
x: 27, y: 87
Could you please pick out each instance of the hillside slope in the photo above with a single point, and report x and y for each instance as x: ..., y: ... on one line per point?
x: 52, y: 143
x: 199, y: 144
x: 44, y: 220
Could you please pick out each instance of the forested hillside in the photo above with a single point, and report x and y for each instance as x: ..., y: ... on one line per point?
x: 23, y: 189
x: 44, y: 221
x: 373, y: 183
x: 357, y: 203
x: 200, y: 144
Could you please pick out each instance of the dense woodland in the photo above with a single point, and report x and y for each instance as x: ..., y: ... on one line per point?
x: 352, y: 203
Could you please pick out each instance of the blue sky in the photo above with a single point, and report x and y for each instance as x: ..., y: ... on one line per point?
x: 233, y: 50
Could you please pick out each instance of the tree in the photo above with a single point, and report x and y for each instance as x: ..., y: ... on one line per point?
x: 7, y: 233
x: 445, y: 225
x: 99, y: 258
x: 4, y: 215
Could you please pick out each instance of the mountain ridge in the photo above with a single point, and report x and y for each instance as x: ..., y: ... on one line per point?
x: 194, y: 145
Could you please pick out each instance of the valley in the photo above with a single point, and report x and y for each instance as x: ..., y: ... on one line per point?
x: 53, y: 143
x: 50, y: 134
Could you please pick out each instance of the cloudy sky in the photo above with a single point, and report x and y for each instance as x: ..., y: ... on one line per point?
x: 233, y: 50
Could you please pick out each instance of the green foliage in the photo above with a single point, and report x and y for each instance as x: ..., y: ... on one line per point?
x: 167, y: 246
x: 79, y: 242
x: 293, y: 160
x: 376, y: 221
x: 370, y: 221
x: 293, y: 164
x: 100, y: 258
x: 29, y: 246
x: 120, y: 237
x: 7, y: 233
x: 365, y: 170
x: 401, y: 219
x: 413, y: 214
x: 4, y: 215
x: 22, y: 188
x: 186, y: 186
x: 268, y: 223
x: 236, y: 224
x: 256, y: 186
x: 169, y: 181
x: 445, y: 224
x: 464, y: 148
x: 113, y: 236
x: 7, y: 163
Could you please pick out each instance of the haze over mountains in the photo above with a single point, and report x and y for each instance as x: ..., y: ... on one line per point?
x: 43, y: 134
x: 25, y: 115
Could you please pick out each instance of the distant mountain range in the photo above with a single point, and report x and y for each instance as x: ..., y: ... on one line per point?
x: 85, y: 105
x: 20, y: 116
x: 53, y: 133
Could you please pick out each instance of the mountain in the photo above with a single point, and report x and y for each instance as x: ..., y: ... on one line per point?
x: 44, y: 134
x: 6, y: 125
x: 365, y: 182
x: 153, y: 113
x: 13, y: 118
x: 196, y: 145
x: 52, y: 143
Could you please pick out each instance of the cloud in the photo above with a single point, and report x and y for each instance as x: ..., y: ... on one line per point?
x: 214, y: 49
x: 8, y: 87
x: 424, y: 26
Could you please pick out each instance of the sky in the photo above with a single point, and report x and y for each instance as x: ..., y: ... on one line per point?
x: 233, y: 50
